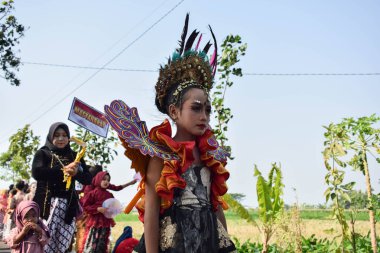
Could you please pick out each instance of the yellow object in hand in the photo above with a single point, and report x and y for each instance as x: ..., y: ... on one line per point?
x: 80, y: 154
x: 68, y: 181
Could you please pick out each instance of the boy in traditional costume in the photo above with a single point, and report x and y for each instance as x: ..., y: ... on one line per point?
x: 184, y: 177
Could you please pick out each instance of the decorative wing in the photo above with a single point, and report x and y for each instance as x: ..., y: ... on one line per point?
x: 129, y: 127
x: 218, y: 153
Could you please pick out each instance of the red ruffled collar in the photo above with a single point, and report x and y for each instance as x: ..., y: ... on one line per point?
x: 172, y: 169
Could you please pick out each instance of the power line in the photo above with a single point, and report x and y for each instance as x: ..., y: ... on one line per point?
x: 246, y: 74
x: 88, y: 67
x: 59, y: 91
x: 104, y: 65
x: 107, y: 63
x: 312, y: 74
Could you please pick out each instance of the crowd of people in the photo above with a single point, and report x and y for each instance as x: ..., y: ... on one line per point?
x: 24, y: 231
x: 44, y: 216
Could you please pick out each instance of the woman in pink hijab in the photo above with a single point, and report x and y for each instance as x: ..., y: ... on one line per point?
x: 30, y: 235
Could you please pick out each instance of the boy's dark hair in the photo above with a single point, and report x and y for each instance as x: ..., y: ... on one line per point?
x: 95, y: 170
x: 20, y: 185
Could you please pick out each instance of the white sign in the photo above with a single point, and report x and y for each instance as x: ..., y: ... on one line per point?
x: 88, y: 117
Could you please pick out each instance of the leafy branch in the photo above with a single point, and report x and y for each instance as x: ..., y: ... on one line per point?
x: 232, y: 50
x: 10, y: 33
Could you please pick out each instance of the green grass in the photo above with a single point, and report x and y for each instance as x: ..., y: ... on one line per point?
x: 305, y: 214
x: 327, y: 214
x: 133, y: 216
x: 233, y: 216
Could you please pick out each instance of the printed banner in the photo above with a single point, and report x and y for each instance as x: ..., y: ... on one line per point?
x: 88, y: 117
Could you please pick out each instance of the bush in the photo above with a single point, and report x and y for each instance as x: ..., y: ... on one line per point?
x: 310, y: 245
x: 253, y: 247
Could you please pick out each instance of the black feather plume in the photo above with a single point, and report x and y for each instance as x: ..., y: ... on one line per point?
x: 190, y: 41
x: 207, y: 47
x: 215, y: 45
x: 183, y: 35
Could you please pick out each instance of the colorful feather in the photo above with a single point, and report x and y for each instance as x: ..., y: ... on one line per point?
x: 199, y: 41
x: 129, y: 127
x: 214, y: 58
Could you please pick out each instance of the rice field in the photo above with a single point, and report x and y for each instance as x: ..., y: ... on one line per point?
x: 318, y: 223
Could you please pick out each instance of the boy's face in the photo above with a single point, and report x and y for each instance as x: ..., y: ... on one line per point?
x: 194, y: 116
x: 105, y: 182
x: 30, y: 216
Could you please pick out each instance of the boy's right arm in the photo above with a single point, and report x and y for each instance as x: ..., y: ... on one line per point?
x: 152, y: 205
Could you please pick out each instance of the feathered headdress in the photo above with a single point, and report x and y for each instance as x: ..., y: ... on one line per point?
x: 187, y: 67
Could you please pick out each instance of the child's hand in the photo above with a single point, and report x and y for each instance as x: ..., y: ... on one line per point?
x: 27, y: 227
x: 36, y: 228
x: 102, y: 210
x: 130, y: 183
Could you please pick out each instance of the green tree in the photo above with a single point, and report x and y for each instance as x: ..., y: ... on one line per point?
x: 99, y: 150
x: 237, y: 196
x: 359, y: 200
x: 16, y: 162
x: 10, y: 33
x: 356, y: 139
x: 232, y: 50
x: 337, y: 191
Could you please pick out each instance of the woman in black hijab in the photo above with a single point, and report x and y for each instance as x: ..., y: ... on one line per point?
x: 58, y: 206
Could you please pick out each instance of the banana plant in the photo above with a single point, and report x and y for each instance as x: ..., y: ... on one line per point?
x: 271, y: 203
x: 239, y: 209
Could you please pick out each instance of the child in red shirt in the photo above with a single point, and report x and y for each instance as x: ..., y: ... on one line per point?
x: 98, y: 226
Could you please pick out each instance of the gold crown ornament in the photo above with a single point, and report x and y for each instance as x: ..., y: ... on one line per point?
x: 187, y: 67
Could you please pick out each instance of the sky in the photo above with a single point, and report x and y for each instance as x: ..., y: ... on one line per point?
x: 277, y: 118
